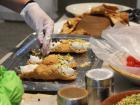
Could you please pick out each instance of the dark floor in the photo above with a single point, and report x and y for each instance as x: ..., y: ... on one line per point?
x: 11, y: 33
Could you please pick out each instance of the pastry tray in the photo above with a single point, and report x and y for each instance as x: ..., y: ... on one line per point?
x: 21, y: 54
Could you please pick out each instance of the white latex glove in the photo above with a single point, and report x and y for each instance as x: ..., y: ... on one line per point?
x: 40, y: 22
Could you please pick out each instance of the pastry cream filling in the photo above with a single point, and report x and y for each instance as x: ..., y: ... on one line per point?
x: 66, y: 60
x: 63, y: 68
x: 79, y: 45
x: 35, y: 59
x: 28, y: 68
x: 66, y: 70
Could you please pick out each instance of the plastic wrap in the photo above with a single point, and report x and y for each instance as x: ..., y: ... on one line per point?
x: 125, y: 38
x: 117, y: 44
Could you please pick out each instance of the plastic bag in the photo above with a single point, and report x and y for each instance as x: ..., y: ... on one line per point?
x: 124, y: 38
x: 117, y: 44
x: 107, y: 52
x: 11, y: 88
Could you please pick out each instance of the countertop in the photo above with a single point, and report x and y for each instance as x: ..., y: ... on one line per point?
x: 12, y: 33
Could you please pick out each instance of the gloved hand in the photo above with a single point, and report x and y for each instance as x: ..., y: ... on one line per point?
x: 40, y: 22
x: 11, y: 88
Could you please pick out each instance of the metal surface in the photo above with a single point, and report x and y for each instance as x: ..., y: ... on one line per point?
x: 21, y: 54
x: 67, y: 98
x: 99, y: 89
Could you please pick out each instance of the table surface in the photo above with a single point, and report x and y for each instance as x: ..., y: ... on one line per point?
x: 121, y: 84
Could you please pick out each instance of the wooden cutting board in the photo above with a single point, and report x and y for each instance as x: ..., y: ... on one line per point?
x: 39, y: 99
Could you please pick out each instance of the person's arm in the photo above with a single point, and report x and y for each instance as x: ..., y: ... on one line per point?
x: 35, y: 17
x: 16, y: 5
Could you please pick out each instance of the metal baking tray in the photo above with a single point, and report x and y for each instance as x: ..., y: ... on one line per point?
x: 21, y: 54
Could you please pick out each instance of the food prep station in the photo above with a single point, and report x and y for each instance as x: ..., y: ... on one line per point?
x: 120, y: 83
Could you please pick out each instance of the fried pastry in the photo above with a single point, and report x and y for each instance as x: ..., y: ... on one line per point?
x: 52, y: 67
x: 112, y: 13
x: 91, y: 25
x: 94, y: 25
x: 70, y: 25
x: 49, y: 72
x: 103, y: 9
x: 121, y: 17
x: 59, y: 59
x: 70, y: 46
x: 95, y: 21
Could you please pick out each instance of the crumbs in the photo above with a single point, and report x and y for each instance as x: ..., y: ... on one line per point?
x: 85, y: 64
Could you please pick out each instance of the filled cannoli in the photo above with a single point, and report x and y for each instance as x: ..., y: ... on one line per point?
x: 70, y: 46
x: 52, y: 67
x: 48, y: 72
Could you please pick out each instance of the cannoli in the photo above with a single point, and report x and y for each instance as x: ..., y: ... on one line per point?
x: 49, y: 72
x: 70, y: 46
x: 52, y: 67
